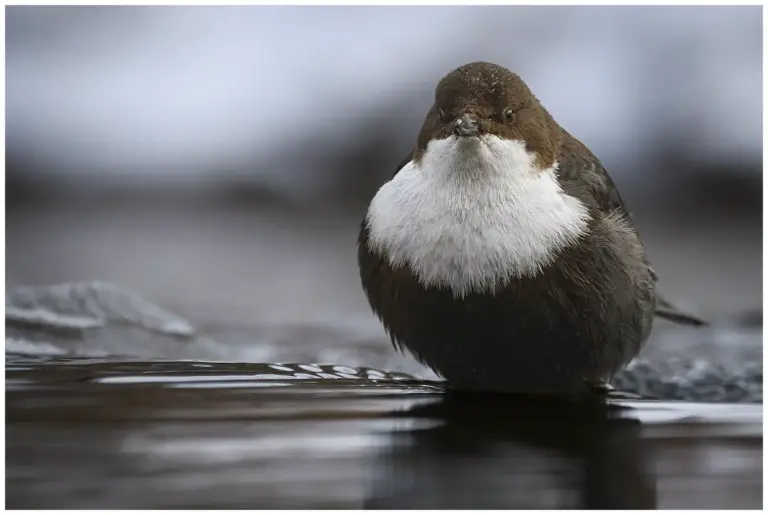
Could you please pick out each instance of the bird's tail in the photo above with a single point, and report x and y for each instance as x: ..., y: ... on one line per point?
x: 666, y: 309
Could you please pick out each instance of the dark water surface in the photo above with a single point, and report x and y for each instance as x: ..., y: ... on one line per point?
x: 94, y: 433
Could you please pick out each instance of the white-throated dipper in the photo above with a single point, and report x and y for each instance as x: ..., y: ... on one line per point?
x: 500, y: 254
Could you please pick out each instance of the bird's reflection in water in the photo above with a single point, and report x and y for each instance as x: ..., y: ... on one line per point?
x: 502, y: 452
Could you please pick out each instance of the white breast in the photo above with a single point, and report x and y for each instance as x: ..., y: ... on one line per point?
x: 473, y: 214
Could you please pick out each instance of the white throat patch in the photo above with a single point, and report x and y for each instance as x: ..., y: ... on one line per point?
x: 473, y: 214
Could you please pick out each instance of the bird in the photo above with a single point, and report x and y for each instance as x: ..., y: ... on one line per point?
x: 501, y: 255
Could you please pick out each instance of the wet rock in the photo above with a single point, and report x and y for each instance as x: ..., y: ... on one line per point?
x: 96, y: 319
x: 692, y: 380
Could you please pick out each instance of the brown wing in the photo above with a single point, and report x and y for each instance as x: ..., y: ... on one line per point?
x: 579, y: 165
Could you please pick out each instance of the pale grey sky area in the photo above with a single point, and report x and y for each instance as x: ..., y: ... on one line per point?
x: 145, y: 95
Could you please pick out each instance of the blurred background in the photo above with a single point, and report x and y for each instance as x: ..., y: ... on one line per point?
x: 218, y: 160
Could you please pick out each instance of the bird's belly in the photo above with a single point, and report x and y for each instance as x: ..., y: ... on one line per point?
x: 534, y: 334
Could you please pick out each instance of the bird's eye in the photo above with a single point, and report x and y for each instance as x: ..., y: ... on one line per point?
x: 509, y: 115
x: 441, y: 116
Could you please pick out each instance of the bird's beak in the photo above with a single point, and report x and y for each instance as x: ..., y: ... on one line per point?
x: 466, y: 126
